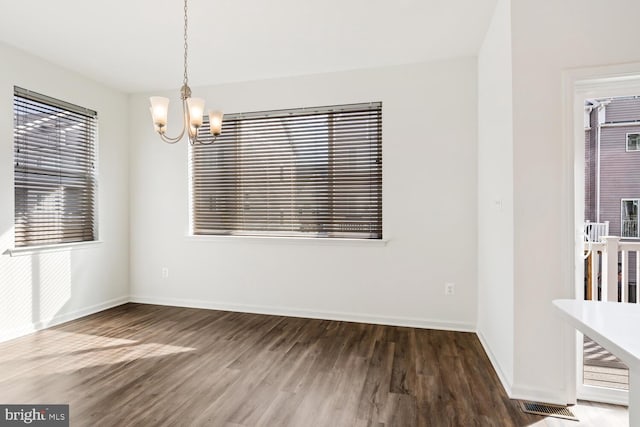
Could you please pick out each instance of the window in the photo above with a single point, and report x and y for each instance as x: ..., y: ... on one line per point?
x: 633, y: 142
x: 54, y: 175
x: 629, y: 218
x: 314, y: 172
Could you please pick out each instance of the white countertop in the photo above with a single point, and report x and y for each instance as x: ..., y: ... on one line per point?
x: 613, y: 325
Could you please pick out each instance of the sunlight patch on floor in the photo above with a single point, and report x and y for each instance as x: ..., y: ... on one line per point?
x: 65, y: 352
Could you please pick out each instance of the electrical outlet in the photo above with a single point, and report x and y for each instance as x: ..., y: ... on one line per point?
x: 449, y: 288
x: 165, y: 272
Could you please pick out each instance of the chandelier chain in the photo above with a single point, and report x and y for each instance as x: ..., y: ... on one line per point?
x: 186, y: 78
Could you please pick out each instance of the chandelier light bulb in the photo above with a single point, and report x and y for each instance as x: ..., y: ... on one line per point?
x: 159, y: 111
x: 215, y: 122
x: 196, y: 111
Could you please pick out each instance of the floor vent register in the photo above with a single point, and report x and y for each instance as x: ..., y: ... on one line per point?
x: 547, y: 410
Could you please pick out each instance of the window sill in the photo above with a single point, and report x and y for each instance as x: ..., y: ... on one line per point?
x: 31, y: 250
x: 324, y: 241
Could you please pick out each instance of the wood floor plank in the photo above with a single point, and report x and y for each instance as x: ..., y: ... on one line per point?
x: 167, y: 366
x: 377, y: 382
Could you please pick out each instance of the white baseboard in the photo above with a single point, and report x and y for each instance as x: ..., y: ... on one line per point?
x: 516, y: 391
x: 311, y: 314
x: 604, y: 395
x: 61, y: 318
x: 506, y: 383
x: 537, y: 395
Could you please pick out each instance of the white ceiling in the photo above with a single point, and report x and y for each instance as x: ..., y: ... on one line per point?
x: 136, y: 45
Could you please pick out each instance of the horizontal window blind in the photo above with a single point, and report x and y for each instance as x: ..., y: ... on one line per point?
x: 307, y: 172
x: 54, y: 175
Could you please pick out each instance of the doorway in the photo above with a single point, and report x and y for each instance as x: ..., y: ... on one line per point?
x: 606, y: 116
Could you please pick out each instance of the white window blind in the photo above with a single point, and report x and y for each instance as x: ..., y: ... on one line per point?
x: 313, y: 172
x: 54, y: 175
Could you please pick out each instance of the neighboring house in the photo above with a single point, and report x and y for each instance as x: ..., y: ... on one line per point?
x: 612, y: 164
x: 612, y: 167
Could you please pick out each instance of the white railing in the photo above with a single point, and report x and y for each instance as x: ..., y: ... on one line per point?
x: 630, y: 228
x: 613, y: 269
x: 593, y: 231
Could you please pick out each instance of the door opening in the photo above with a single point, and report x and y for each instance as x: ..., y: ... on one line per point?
x: 606, y: 213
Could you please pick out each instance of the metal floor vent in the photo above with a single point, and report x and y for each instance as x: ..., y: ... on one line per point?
x: 547, y: 410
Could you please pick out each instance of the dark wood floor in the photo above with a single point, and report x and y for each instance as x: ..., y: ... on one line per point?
x: 151, y: 365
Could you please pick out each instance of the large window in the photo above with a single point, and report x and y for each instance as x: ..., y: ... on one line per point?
x: 55, y: 177
x: 629, y: 218
x: 314, y: 172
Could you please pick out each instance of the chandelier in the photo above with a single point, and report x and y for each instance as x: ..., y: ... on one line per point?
x: 192, y: 108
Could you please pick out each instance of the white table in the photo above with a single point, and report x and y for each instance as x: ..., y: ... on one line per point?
x: 616, y: 327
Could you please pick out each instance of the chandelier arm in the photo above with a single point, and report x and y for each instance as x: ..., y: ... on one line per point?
x: 208, y: 143
x: 169, y: 140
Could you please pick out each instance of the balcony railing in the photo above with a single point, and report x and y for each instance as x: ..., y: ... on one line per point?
x: 612, y: 273
x: 613, y: 270
x: 594, y: 230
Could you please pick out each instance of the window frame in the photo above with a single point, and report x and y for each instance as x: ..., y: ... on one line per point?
x: 87, y: 121
x: 298, y: 235
x: 622, y: 218
x: 637, y: 134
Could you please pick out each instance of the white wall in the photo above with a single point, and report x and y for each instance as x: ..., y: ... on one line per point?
x: 429, y: 208
x: 547, y: 38
x: 495, y: 194
x: 38, y: 290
